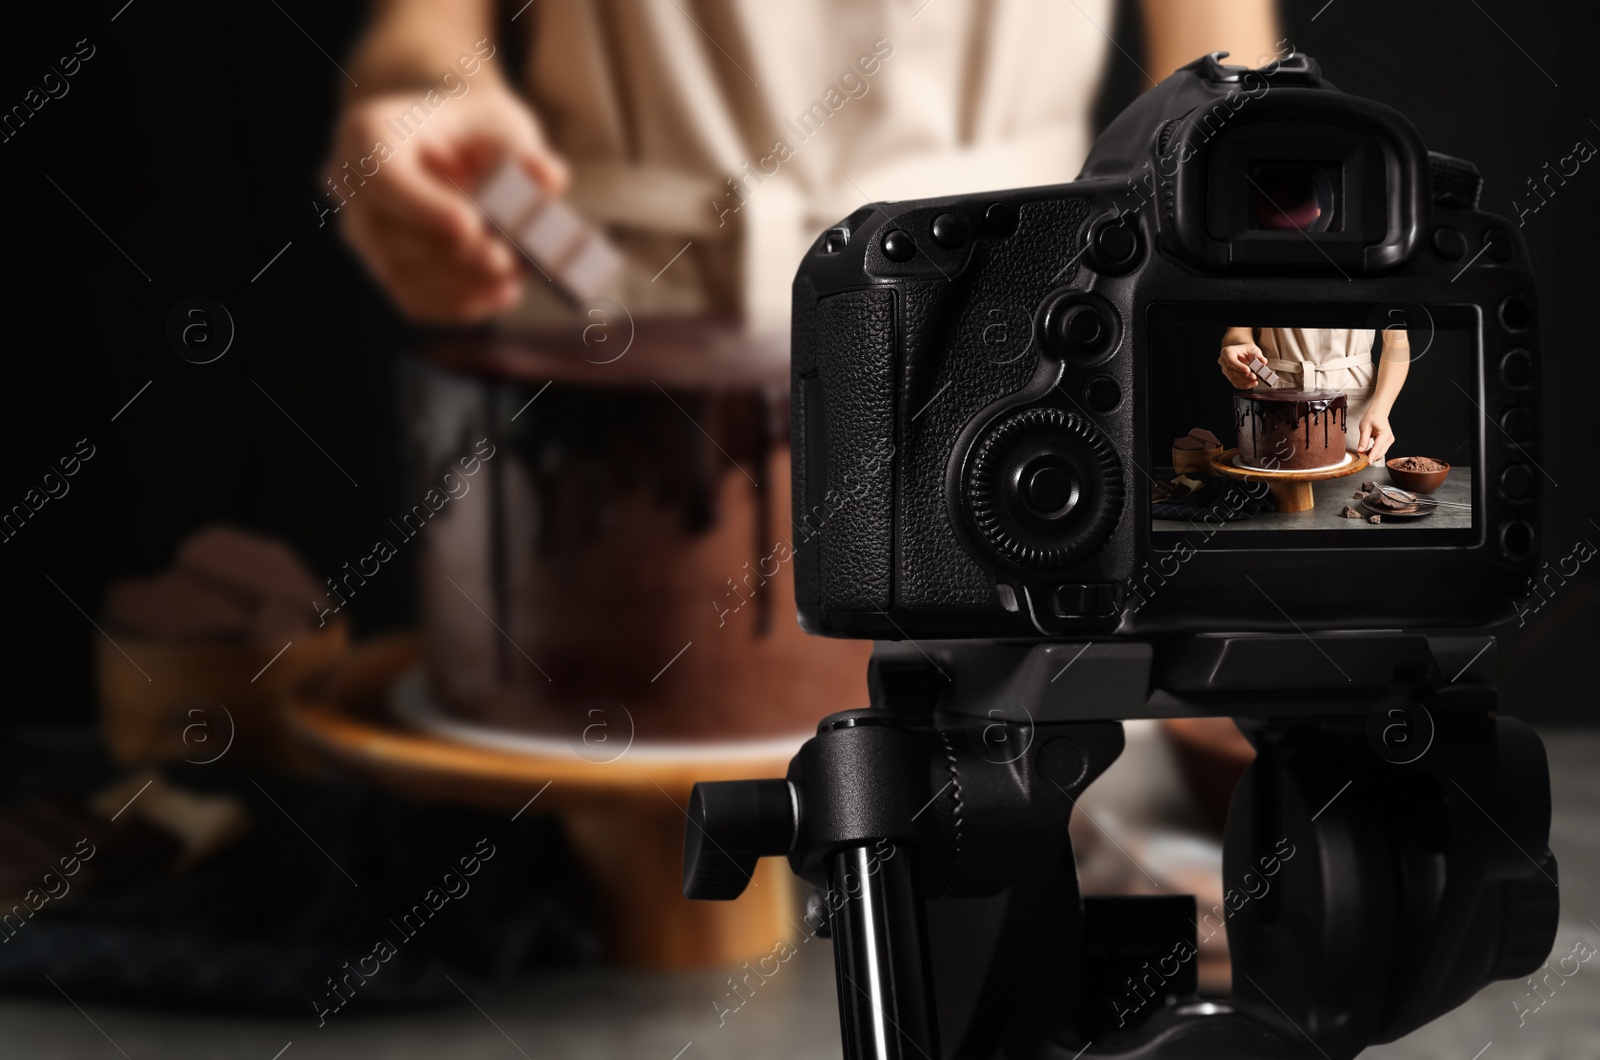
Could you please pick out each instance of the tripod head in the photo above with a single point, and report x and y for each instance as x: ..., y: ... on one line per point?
x: 1385, y: 856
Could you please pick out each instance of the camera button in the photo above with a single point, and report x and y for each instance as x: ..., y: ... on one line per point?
x: 1079, y: 601
x: 1102, y: 394
x: 1516, y: 368
x: 1497, y: 244
x: 1051, y: 491
x: 1516, y: 314
x: 1116, y: 244
x: 1000, y: 219
x: 1448, y: 243
x: 1079, y: 326
x: 1082, y: 329
x: 1518, y: 425
x: 1113, y: 244
x: 1517, y: 540
x: 1517, y: 482
x: 949, y: 231
x: 898, y: 246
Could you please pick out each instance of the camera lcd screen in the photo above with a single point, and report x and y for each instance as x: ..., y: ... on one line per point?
x: 1261, y: 418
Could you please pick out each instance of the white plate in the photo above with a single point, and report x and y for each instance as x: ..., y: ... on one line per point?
x: 413, y: 703
x: 1348, y: 459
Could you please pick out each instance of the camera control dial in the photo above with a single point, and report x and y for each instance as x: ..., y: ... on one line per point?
x: 1044, y: 487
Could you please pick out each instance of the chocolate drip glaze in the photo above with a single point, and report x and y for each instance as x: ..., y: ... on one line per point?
x: 1290, y: 429
x: 635, y: 508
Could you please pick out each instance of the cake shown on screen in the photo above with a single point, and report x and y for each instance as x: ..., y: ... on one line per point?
x: 1286, y: 429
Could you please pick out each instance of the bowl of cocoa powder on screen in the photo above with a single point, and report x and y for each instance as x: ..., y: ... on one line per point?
x: 1419, y: 474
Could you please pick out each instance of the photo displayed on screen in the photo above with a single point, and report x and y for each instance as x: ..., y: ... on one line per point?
x: 1271, y: 426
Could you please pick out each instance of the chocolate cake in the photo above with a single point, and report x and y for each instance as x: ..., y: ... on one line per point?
x: 623, y: 559
x: 1287, y: 429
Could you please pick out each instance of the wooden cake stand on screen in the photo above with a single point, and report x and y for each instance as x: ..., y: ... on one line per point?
x: 1290, y: 490
x: 603, y: 544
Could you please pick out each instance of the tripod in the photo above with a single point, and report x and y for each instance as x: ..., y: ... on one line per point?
x: 1391, y: 834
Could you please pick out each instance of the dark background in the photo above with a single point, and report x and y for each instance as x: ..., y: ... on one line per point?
x: 192, y: 137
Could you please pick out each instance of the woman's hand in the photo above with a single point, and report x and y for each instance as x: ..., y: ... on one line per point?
x: 1235, y: 362
x: 1374, y: 437
x: 406, y: 211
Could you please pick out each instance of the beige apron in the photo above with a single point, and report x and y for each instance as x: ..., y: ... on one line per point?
x: 729, y: 133
x: 1326, y: 358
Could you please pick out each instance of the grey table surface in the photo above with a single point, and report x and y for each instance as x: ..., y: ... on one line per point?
x: 1333, y: 494
x: 606, y: 1013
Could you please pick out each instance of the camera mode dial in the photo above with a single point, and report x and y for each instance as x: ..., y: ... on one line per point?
x: 1045, y: 487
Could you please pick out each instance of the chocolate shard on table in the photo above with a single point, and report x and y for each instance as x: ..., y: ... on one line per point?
x: 569, y: 251
x: 1351, y: 513
x: 1380, y: 499
x: 1362, y: 495
x: 1374, y: 518
x: 63, y: 835
x: 203, y: 824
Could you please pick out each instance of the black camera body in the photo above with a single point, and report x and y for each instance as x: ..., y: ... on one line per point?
x: 971, y: 376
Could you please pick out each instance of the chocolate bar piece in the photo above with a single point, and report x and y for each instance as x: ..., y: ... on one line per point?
x: 227, y: 584
x: 1258, y: 365
x: 278, y: 620
x: 1379, y: 499
x: 1374, y: 518
x: 1197, y: 439
x: 202, y: 824
x: 1350, y: 513
x: 562, y: 245
x: 62, y: 836
x: 248, y: 564
x: 1193, y: 485
x: 177, y: 605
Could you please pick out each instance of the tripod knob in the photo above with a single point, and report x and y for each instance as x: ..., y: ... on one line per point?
x: 732, y: 824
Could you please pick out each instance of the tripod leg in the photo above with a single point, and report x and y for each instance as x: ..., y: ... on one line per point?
x: 846, y: 815
x: 885, y: 1004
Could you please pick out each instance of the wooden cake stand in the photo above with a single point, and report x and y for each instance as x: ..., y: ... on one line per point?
x: 625, y: 818
x: 1291, y: 490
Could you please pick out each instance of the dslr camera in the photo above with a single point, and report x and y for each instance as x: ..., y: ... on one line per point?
x: 1014, y: 455
x: 1026, y: 355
